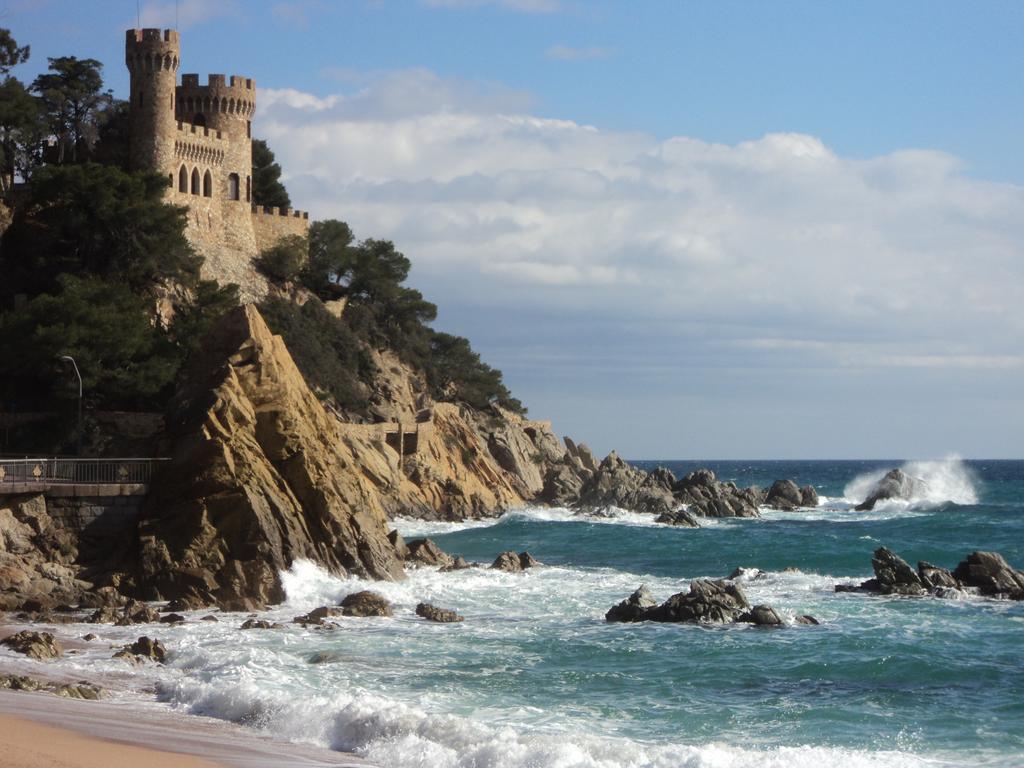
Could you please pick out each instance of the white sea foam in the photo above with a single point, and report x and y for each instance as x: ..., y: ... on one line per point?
x: 946, y: 480
x: 365, y: 702
x: 411, y: 528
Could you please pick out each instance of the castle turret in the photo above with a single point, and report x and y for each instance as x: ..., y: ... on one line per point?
x: 152, y: 57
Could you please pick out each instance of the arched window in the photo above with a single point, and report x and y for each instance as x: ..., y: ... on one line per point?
x: 233, y: 190
x: 207, y: 185
x: 195, y: 181
x: 199, y: 119
x: 183, y: 179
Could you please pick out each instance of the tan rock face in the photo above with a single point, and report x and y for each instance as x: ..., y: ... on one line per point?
x: 37, y: 557
x: 260, y: 477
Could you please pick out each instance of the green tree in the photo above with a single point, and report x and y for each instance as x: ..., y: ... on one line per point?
x: 113, y: 135
x: 72, y: 98
x: 330, y: 257
x: 196, y: 319
x: 284, y: 260
x: 125, y: 361
x: 10, y: 53
x: 21, y: 133
x: 456, y: 372
x: 267, y: 188
x: 96, y: 220
x: 332, y: 359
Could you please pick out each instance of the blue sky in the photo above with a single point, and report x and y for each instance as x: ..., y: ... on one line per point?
x: 682, y: 229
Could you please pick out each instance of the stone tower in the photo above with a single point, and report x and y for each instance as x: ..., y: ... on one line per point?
x: 152, y: 56
x: 200, y: 138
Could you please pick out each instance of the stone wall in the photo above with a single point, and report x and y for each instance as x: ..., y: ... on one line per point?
x: 95, y: 515
x: 271, y: 224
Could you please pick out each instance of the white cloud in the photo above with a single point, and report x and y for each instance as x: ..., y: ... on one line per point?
x: 569, y: 53
x: 897, y: 261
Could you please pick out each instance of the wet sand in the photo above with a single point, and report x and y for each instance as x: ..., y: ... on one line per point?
x: 46, y: 731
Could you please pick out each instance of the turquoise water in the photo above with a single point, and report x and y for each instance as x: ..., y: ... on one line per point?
x: 535, y: 678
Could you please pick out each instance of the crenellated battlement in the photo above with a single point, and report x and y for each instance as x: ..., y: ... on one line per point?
x: 151, y: 50
x: 200, y: 130
x: 273, y: 210
x: 150, y: 35
x: 231, y: 97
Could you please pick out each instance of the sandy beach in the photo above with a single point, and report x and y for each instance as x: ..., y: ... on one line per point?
x: 46, y: 731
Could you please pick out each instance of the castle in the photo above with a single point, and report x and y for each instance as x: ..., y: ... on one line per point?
x: 200, y: 138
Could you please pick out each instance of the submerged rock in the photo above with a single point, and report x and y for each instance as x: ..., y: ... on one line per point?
x: 79, y: 690
x: 762, y: 616
x: 317, y: 615
x: 40, y: 646
x: 679, y: 517
x: 260, y: 624
x: 144, y: 648
x: 365, y: 603
x: 896, y: 484
x: 440, y: 615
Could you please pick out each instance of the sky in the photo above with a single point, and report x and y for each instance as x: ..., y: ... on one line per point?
x: 681, y: 229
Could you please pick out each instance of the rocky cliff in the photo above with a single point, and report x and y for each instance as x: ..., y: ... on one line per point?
x: 259, y: 477
x: 262, y: 474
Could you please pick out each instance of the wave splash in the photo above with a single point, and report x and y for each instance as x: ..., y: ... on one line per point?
x: 946, y: 480
x: 391, y: 733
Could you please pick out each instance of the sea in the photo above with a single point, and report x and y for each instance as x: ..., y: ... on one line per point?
x: 536, y: 678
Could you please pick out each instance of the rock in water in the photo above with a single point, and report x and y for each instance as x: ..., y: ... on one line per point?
x: 707, y: 601
x: 933, y: 577
x: 762, y: 616
x: 365, y: 603
x: 704, y: 496
x: 260, y: 477
x: 426, y: 552
x: 511, y: 562
x: 679, y: 517
x: 633, y: 608
x: 784, y: 494
x: 143, y: 648
x: 896, y: 484
x: 894, y: 575
x: 440, y: 615
x: 809, y: 497
x: 40, y: 646
x: 992, y: 575
x: 618, y: 484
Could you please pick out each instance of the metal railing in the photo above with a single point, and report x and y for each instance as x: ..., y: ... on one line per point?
x: 62, y: 471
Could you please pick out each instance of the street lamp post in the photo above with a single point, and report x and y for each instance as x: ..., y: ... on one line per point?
x: 69, y: 359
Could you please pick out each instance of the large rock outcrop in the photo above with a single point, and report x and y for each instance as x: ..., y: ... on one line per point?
x: 260, y: 476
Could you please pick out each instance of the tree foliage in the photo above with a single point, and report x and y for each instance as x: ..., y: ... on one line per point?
x: 11, y: 54
x: 267, y: 188
x: 125, y: 360
x: 331, y: 357
x: 72, y: 98
x: 285, y: 260
x: 97, y: 220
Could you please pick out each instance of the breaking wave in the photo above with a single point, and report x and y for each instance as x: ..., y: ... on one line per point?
x: 944, y: 481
